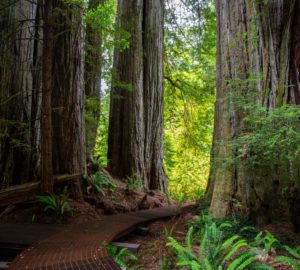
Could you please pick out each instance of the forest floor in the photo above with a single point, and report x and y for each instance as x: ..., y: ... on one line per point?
x: 153, y: 253
x: 121, y: 199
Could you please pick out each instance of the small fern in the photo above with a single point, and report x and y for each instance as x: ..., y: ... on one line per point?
x: 57, y: 203
x: 266, y: 240
x: 99, y: 181
x: 121, y: 256
x: 293, y: 252
x: 288, y: 260
x: 216, y: 252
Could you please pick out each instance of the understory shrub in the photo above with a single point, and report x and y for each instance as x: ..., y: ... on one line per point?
x: 56, y: 203
x: 121, y: 256
x: 218, y: 246
x: 99, y: 181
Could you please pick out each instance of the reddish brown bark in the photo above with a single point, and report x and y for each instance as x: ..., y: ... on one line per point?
x: 47, y: 182
x: 136, y: 111
x: 20, y: 82
x: 257, y: 48
x: 68, y: 143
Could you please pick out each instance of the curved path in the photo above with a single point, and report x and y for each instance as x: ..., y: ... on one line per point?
x: 79, y: 246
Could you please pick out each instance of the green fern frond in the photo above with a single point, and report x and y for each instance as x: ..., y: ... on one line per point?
x: 260, y: 266
x: 289, y: 261
x: 229, y: 242
x: 244, y: 259
x: 189, y: 238
x: 292, y: 251
x: 239, y: 244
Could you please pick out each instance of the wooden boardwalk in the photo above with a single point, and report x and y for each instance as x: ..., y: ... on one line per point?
x: 68, y: 247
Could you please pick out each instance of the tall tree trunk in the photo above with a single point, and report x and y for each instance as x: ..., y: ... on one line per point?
x: 255, y: 40
x: 46, y: 116
x: 136, y: 109
x: 20, y: 98
x: 68, y: 144
x: 92, y: 79
x: 126, y: 126
x: 153, y: 93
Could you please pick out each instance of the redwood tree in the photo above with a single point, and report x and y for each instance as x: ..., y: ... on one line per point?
x: 153, y: 93
x: 258, y: 48
x: 136, y: 109
x: 47, y: 183
x: 68, y: 144
x: 20, y: 91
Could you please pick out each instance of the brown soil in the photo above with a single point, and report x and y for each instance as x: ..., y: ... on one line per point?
x: 153, y: 250
x: 94, y: 206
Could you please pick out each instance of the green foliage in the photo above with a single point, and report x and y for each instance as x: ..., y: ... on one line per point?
x: 293, y: 260
x: 92, y: 108
x: 236, y: 225
x: 215, y: 252
x: 133, y: 184
x: 101, y: 18
x: 221, y: 246
x: 190, y: 51
x: 56, y: 203
x: 266, y: 240
x: 270, y: 137
x: 269, y: 141
x: 7, y: 136
x: 100, y: 182
x: 165, y: 263
x: 121, y: 256
x: 102, y: 136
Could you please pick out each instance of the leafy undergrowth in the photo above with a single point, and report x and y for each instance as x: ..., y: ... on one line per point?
x: 226, y: 246
x: 102, y: 195
x: 197, y: 242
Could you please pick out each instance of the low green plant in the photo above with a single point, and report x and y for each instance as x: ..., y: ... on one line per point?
x: 121, y: 256
x: 56, y: 203
x: 238, y: 225
x: 133, y: 184
x: 215, y: 252
x: 165, y: 263
x: 294, y: 258
x: 99, y: 181
x: 266, y: 240
x: 220, y: 247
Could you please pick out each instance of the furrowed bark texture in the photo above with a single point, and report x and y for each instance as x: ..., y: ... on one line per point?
x: 136, y: 110
x: 20, y: 83
x: 47, y: 182
x: 126, y: 127
x: 21, y: 91
x: 68, y: 143
x: 258, y: 48
x: 153, y: 93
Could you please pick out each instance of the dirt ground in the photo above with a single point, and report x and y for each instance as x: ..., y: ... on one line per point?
x: 153, y: 251
x: 92, y: 207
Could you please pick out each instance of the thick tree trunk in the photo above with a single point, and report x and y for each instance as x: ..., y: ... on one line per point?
x: 257, y: 49
x: 92, y: 79
x: 68, y: 144
x: 153, y: 93
x: 126, y: 125
x: 136, y: 112
x: 20, y: 83
x: 20, y: 95
x: 47, y: 182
